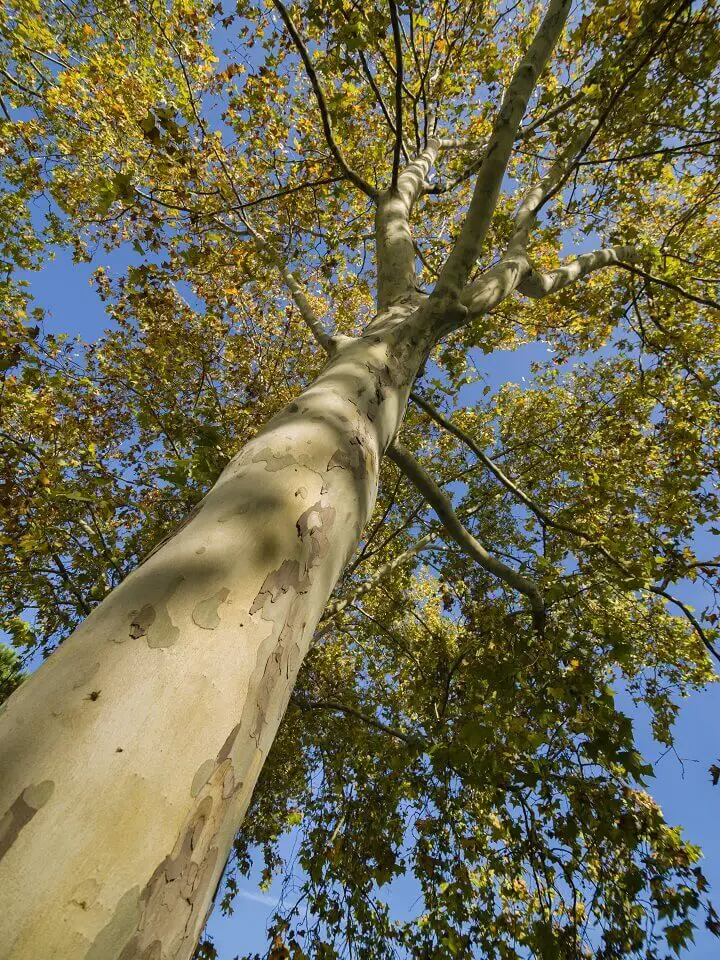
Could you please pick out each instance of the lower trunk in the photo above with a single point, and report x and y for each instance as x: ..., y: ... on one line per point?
x: 128, y: 760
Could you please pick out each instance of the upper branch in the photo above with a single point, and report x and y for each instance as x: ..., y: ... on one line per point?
x: 381, y: 103
x: 538, y: 285
x: 516, y: 272
x: 540, y: 192
x: 442, y: 505
x: 394, y: 243
x: 529, y: 130
x: 325, y: 340
x: 351, y: 174
x: 705, y: 301
x: 336, y: 607
x: 397, y: 41
x: 523, y: 134
x: 358, y: 715
x: 487, y: 187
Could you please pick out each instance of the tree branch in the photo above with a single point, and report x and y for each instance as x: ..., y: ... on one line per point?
x: 479, y: 453
x: 325, y: 340
x: 516, y: 272
x: 442, y: 505
x: 358, y: 715
x: 351, y: 174
x: 547, y: 520
x: 413, y: 176
x: 397, y: 41
x: 705, y: 301
x: 690, y: 616
x: 487, y: 187
x: 524, y: 134
x: 529, y: 130
x: 540, y: 192
x: 337, y: 606
x: 395, y: 251
x: 539, y: 285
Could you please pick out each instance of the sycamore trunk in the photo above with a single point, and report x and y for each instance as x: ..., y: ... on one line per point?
x: 129, y: 759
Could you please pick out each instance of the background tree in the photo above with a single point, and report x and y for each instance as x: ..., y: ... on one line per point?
x: 413, y: 175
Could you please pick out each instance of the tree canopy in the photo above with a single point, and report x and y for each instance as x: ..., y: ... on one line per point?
x: 445, y: 725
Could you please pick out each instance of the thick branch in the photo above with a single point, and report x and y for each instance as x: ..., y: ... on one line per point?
x: 487, y: 187
x: 538, y: 285
x: 394, y: 243
x: 548, y: 185
x: 322, y: 337
x: 524, y: 134
x: 413, y: 176
x: 516, y: 272
x: 351, y: 174
x: 442, y: 505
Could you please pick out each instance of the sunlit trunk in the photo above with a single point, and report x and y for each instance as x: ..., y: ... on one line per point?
x: 129, y: 759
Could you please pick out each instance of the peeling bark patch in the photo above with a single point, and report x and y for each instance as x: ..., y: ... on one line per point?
x: 286, y: 577
x: 283, y: 661
x: 202, y: 775
x: 172, y: 905
x: 153, y: 952
x: 162, y: 921
x: 284, y: 587
x: 162, y: 632
x: 85, y: 894
x: 205, y: 613
x: 228, y: 784
x: 274, y: 461
x: 22, y: 811
x: 280, y: 459
x: 142, y: 622
x: 109, y: 942
x: 353, y: 458
x: 313, y: 527
x: 226, y: 748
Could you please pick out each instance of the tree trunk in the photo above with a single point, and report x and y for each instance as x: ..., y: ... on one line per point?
x: 129, y: 759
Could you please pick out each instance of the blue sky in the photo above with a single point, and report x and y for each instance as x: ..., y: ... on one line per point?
x: 681, y: 785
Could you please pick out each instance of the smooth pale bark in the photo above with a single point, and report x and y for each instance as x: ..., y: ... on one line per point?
x: 395, y: 254
x: 128, y: 760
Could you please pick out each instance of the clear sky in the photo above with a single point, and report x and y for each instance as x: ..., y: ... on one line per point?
x: 681, y: 786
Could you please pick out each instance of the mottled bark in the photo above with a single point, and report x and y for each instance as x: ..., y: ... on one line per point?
x: 130, y: 757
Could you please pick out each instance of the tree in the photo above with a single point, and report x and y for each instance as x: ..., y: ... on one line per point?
x: 455, y: 713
